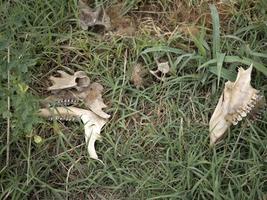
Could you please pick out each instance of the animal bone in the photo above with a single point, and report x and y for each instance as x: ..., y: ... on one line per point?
x: 92, y: 123
x: 90, y: 18
x: 93, y: 99
x: 61, y: 98
x: 163, y: 69
x: 79, y: 80
x: 91, y: 96
x: 70, y: 90
x: 236, y: 102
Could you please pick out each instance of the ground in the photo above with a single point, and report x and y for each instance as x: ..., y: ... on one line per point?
x: 156, y: 144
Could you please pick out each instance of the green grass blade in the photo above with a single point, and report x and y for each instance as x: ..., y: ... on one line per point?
x: 220, y: 59
x: 199, y: 44
x: 163, y: 49
x: 233, y: 59
x: 216, y: 30
x: 247, y: 61
x: 224, y: 73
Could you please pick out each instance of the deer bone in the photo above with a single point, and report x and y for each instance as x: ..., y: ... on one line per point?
x: 90, y: 18
x: 79, y: 80
x: 91, y: 96
x: 236, y: 102
x: 92, y: 123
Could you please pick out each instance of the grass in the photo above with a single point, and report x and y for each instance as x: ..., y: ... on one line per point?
x: 156, y: 145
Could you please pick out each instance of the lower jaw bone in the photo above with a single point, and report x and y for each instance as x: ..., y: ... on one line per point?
x: 92, y: 123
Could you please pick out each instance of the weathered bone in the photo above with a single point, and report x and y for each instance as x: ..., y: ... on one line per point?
x: 61, y: 98
x: 92, y: 123
x: 163, y: 68
x: 70, y: 90
x: 236, y: 102
x: 79, y: 81
x: 92, y: 98
x: 90, y: 18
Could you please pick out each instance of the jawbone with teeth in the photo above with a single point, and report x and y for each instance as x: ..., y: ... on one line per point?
x: 92, y: 123
x: 67, y: 91
x: 239, y: 99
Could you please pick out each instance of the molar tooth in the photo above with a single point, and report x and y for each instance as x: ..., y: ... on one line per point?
x: 248, y: 109
x: 255, y: 96
x: 238, y: 117
x: 242, y: 113
x: 234, y: 122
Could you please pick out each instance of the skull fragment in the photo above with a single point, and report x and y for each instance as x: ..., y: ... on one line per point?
x: 238, y: 100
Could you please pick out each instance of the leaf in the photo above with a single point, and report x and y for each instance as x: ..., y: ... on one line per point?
x: 224, y: 73
x: 216, y: 30
x: 247, y: 61
x: 162, y: 49
x: 37, y: 139
x: 220, y: 59
x: 234, y: 59
x: 199, y: 42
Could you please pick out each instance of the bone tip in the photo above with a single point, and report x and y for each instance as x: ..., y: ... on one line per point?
x: 213, y: 141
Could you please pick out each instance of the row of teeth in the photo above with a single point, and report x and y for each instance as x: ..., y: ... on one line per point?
x: 63, y: 118
x: 243, y: 112
x: 65, y: 102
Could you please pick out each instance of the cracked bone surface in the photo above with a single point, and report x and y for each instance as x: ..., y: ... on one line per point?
x: 237, y: 100
x: 79, y: 80
x: 92, y: 123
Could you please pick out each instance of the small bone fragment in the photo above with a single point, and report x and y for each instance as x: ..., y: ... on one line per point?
x: 163, y: 68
